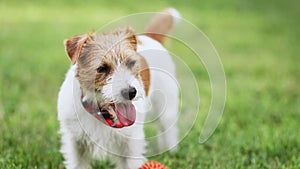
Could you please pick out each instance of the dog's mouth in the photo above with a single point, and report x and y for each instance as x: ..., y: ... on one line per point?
x: 117, y: 115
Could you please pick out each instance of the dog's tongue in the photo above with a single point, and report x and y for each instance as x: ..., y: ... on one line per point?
x: 126, y: 113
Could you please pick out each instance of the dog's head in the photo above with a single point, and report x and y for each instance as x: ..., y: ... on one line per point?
x: 109, y: 69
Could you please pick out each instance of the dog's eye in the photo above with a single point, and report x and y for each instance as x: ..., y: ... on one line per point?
x: 130, y: 63
x: 103, y: 69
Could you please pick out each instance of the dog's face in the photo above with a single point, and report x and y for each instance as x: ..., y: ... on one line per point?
x: 109, y: 67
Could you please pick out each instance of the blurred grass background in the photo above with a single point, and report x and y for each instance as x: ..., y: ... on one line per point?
x: 258, y: 42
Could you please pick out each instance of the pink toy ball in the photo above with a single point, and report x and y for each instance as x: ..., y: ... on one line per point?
x: 153, y: 165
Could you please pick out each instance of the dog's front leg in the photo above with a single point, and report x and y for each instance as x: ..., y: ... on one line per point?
x: 75, y: 153
x: 135, y: 163
x: 133, y: 150
x: 130, y: 162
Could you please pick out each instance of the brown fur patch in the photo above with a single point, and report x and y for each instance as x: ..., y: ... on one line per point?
x: 145, y: 74
x: 74, y: 45
x: 159, y: 26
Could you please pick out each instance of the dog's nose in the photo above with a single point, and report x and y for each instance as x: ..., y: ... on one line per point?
x: 129, y: 93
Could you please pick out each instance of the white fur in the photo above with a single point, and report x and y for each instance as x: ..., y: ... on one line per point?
x: 121, y: 79
x: 176, y: 15
x: 85, y: 138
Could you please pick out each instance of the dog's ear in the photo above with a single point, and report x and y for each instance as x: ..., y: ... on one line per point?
x: 131, y: 36
x: 74, y: 45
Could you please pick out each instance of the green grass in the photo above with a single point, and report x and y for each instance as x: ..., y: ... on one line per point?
x: 258, y: 42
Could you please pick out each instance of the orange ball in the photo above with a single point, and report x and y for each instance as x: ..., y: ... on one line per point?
x: 153, y: 165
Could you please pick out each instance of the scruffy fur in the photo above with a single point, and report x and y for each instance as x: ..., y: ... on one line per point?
x: 102, y: 66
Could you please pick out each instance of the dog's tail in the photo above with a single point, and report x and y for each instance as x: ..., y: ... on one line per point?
x: 162, y: 23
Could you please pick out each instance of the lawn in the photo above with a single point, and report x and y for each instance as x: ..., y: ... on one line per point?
x: 258, y: 43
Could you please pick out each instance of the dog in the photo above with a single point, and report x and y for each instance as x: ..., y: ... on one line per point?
x: 114, y: 79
